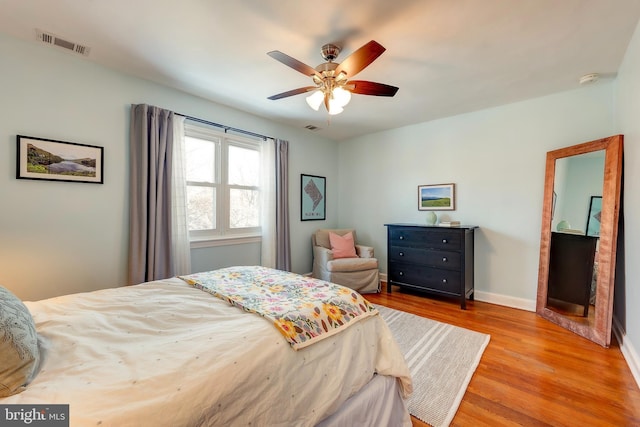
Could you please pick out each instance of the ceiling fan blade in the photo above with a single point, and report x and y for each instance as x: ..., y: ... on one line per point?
x: 293, y: 63
x: 361, y: 58
x: 364, y: 87
x: 293, y: 92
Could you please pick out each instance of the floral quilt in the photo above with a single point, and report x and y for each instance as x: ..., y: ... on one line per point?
x: 303, y: 309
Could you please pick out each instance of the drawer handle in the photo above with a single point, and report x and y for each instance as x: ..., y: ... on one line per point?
x: 401, y: 254
x: 444, y: 259
x: 401, y: 237
x: 445, y: 241
x: 444, y: 280
x: 401, y: 274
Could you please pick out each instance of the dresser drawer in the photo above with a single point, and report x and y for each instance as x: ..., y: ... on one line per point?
x: 434, y: 258
x: 425, y: 277
x: 436, y: 239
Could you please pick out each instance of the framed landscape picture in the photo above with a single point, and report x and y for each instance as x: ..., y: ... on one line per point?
x: 312, y: 198
x: 440, y: 197
x: 52, y: 160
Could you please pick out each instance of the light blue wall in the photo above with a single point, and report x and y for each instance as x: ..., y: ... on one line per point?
x: 212, y: 258
x: 496, y: 158
x: 627, y: 294
x: 58, y: 238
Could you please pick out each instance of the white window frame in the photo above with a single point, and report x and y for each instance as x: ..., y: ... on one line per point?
x: 223, y: 233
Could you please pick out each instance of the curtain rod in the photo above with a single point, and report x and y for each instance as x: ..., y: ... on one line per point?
x: 226, y: 128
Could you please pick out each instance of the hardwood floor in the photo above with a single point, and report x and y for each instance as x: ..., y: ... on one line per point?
x: 533, y: 373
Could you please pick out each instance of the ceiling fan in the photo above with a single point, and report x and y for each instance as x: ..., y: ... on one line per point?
x: 332, y: 84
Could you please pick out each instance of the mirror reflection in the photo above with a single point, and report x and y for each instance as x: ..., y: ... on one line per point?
x: 575, y: 229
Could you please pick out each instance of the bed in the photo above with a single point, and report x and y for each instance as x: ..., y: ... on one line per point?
x: 172, y: 353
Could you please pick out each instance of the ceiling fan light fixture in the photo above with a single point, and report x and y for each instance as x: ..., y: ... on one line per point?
x: 341, y: 96
x: 315, y: 99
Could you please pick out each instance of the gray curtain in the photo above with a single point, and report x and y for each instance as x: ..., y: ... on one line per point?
x: 151, y: 143
x: 283, y: 239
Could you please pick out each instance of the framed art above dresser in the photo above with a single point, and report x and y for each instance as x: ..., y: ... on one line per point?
x: 431, y: 259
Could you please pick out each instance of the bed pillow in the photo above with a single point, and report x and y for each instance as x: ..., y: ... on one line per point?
x: 342, y: 246
x: 18, y: 344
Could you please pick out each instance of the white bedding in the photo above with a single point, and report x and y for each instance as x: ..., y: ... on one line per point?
x: 166, y: 354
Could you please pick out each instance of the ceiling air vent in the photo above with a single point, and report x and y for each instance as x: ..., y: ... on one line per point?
x: 52, y: 39
x: 311, y: 127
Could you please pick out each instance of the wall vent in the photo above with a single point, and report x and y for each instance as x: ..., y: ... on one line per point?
x: 52, y: 39
x: 311, y: 127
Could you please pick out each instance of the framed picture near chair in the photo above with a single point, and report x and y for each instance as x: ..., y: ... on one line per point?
x: 312, y: 197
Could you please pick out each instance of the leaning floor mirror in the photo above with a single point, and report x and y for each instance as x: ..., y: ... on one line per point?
x: 578, y: 237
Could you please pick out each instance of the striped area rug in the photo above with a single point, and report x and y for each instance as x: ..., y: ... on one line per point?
x: 442, y: 359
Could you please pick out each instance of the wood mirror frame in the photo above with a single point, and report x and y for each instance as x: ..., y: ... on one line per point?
x: 598, y: 331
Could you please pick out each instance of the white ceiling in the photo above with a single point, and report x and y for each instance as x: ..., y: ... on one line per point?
x: 446, y: 56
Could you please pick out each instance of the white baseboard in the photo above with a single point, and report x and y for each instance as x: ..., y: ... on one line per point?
x: 628, y: 351
x: 513, y: 302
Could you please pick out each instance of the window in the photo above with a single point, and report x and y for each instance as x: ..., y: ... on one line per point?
x: 223, y: 184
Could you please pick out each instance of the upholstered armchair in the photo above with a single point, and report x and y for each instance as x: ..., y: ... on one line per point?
x: 356, y: 268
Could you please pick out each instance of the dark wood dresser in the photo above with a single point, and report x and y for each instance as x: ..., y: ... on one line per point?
x: 571, y: 261
x: 433, y: 259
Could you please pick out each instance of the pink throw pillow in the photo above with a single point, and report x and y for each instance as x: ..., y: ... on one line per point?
x: 342, y: 246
